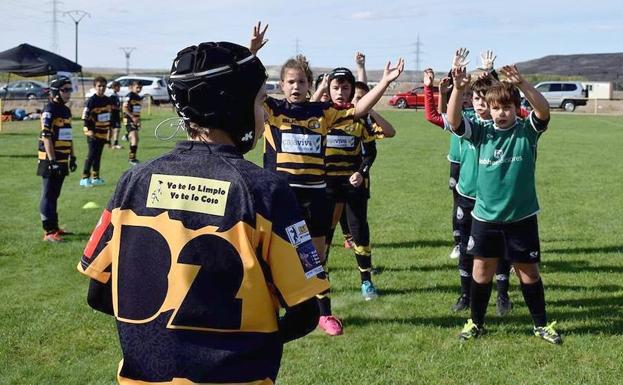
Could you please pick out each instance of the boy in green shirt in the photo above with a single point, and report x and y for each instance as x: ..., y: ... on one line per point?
x: 504, y: 217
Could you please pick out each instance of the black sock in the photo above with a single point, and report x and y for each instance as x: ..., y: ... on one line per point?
x: 116, y: 142
x: 479, y: 301
x: 534, y: 295
x: 466, y: 286
x: 365, y: 266
x: 133, y: 150
x: 324, y: 303
x: 502, y: 283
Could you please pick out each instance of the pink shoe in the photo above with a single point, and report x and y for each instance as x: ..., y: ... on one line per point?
x: 331, y: 325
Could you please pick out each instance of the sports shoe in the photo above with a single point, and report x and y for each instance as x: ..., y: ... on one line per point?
x: 548, y: 333
x: 455, y: 253
x: 64, y: 232
x: 461, y: 304
x: 97, y: 181
x: 349, y: 244
x: 331, y: 325
x: 86, y: 182
x: 368, y: 291
x: 116, y: 147
x: 53, y: 237
x: 471, y: 330
x: 503, y: 305
x: 133, y: 162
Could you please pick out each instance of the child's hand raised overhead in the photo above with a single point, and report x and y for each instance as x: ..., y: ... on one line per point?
x: 512, y: 75
x: 360, y: 59
x: 391, y: 73
x: 460, y: 78
x: 257, y: 38
x: 429, y: 77
x: 487, y: 59
x: 445, y: 85
x: 460, y: 58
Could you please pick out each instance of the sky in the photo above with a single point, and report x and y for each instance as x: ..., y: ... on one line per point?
x: 328, y: 33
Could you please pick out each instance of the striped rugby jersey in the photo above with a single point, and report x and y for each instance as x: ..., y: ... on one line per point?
x: 97, y: 116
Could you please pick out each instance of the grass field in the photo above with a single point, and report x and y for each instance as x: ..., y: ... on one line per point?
x: 48, y: 334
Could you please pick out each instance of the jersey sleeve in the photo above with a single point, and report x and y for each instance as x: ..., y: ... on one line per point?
x: 86, y: 116
x: 337, y: 117
x: 537, y: 124
x: 97, y: 255
x: 295, y: 268
x: 46, y: 122
x: 430, y: 108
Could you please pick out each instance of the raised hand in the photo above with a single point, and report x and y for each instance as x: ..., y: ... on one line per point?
x: 445, y: 85
x: 360, y: 59
x: 512, y: 75
x: 391, y: 73
x: 487, y: 59
x: 257, y: 38
x: 460, y: 58
x: 460, y: 78
x: 429, y: 76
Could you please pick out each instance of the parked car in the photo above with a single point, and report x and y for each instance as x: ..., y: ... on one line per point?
x: 413, y: 98
x: 565, y: 95
x: 153, y: 87
x: 24, y: 89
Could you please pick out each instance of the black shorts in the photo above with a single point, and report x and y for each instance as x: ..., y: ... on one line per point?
x: 463, y: 217
x: 340, y: 190
x: 131, y: 127
x: 315, y: 209
x: 455, y: 170
x: 515, y: 241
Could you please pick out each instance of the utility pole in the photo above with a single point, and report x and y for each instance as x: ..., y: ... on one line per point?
x: 77, y: 15
x: 418, y: 55
x: 127, y: 51
x: 55, y: 21
x: 297, y: 46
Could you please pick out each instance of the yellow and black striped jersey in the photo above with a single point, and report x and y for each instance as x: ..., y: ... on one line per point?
x: 132, y: 107
x: 201, y: 248
x: 56, y: 125
x: 344, y: 147
x: 295, y: 138
x: 115, y: 119
x: 97, y: 116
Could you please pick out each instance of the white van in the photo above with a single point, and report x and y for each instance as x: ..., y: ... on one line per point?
x: 563, y: 94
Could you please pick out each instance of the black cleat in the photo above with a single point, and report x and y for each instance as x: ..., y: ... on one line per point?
x: 461, y: 304
x: 503, y: 306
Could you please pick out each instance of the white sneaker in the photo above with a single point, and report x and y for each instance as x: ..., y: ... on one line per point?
x: 456, y: 252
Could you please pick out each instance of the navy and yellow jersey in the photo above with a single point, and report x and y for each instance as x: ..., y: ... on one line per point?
x: 97, y: 116
x: 295, y: 139
x: 56, y: 125
x: 115, y: 118
x: 132, y: 107
x: 376, y: 128
x: 201, y: 247
x: 344, y: 155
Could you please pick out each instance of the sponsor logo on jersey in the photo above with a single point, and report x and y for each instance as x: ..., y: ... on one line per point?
x: 64, y: 134
x: 105, y: 117
x: 501, y: 160
x: 497, y: 154
x: 298, y: 233
x: 309, y: 259
x: 534, y: 254
x: 337, y: 141
x: 313, y: 124
x: 301, y: 143
x: 46, y: 115
x: 470, y: 243
x: 177, y: 192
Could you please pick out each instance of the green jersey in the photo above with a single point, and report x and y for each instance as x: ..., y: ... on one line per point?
x: 468, y: 158
x: 505, y: 190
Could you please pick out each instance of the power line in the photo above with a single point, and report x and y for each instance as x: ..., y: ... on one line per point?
x: 127, y: 51
x: 418, y: 54
x: 55, y: 21
x: 76, y: 15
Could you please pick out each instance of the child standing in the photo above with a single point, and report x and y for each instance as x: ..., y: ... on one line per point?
x: 56, y: 155
x: 116, y: 115
x: 504, y: 217
x: 132, y: 112
x: 97, y: 116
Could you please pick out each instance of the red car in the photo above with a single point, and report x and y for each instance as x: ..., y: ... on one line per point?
x: 413, y: 98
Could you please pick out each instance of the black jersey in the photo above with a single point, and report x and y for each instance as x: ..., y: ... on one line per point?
x: 201, y: 247
x: 115, y: 118
x: 56, y: 125
x: 97, y: 116
x: 295, y: 139
x: 344, y: 148
x: 132, y: 104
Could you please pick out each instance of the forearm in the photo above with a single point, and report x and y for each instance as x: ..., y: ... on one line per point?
x: 317, y: 94
x: 361, y: 74
x: 299, y: 320
x: 49, y: 148
x: 388, y: 128
x: 430, y: 109
x: 370, y: 99
x: 454, y: 115
x: 443, y: 102
x: 537, y: 101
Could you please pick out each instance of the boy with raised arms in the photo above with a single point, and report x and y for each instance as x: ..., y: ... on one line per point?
x: 505, y: 213
x: 199, y: 248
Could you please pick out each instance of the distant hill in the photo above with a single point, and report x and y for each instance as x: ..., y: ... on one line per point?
x: 595, y: 67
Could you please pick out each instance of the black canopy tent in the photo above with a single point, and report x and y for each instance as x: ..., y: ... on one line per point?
x: 27, y: 60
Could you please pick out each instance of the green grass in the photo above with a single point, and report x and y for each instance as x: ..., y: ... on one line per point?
x: 48, y: 334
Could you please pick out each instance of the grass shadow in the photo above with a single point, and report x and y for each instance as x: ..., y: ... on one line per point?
x: 587, y: 250
x: 580, y: 267
x: 18, y: 156
x: 415, y: 244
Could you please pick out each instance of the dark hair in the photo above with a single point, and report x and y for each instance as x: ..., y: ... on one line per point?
x: 362, y: 86
x: 481, y: 86
x: 503, y: 93
x: 115, y: 84
x: 135, y: 82
x: 99, y: 79
x: 299, y: 63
